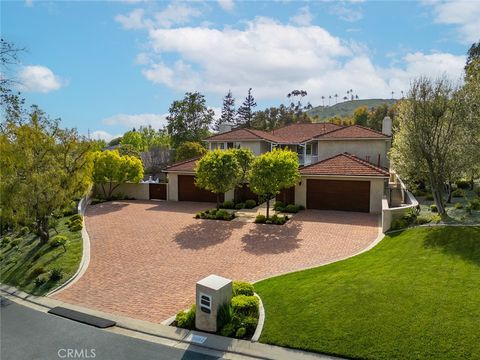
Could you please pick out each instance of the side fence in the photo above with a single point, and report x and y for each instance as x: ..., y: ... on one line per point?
x: 139, y: 191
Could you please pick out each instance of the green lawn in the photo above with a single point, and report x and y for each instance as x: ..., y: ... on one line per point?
x: 416, y: 295
x: 19, y: 261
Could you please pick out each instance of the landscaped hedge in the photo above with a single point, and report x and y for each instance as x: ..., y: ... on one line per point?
x: 274, y: 219
x: 215, y: 214
x: 287, y: 208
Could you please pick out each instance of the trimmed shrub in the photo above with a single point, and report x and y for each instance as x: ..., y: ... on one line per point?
x: 475, y: 204
x: 58, y: 240
x: 39, y: 281
x: 70, y: 209
x: 260, y: 219
x: 6, y: 240
x: 433, y: 208
x: 76, y: 227
x: 410, y: 215
x: 398, y: 224
x: 291, y: 209
x: 228, y: 330
x: 250, y: 324
x: 223, y: 215
x: 420, y: 220
x: 15, y: 242
x: 463, y: 184
x: 228, y: 204
x: 250, y: 204
x: 239, y: 206
x: 24, y: 230
x: 436, y: 218
x: 278, y: 206
x: 458, y: 206
x: 458, y: 193
x: 36, y: 272
x: 429, y: 197
x: 56, y: 274
x: 240, y: 333
x: 186, y: 319
x: 246, y: 305
x: 75, y: 217
x: 242, y: 288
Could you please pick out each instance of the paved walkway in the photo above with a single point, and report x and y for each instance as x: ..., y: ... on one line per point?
x: 147, y: 256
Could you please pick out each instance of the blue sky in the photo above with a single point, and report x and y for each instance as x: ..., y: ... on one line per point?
x: 106, y: 67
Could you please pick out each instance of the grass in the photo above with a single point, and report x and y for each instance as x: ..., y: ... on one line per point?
x: 19, y: 262
x: 416, y: 295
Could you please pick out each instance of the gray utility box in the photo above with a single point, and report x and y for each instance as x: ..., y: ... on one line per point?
x: 212, y: 292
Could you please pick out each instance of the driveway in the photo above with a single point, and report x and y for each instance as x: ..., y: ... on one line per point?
x: 146, y: 256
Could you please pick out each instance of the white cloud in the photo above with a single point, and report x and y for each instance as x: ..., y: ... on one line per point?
x: 134, y: 20
x: 136, y: 120
x: 303, y: 17
x: 463, y: 14
x: 36, y: 78
x: 346, y: 13
x: 103, y: 135
x: 227, y: 5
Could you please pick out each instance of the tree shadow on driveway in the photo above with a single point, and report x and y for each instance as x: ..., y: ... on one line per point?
x: 206, y: 233
x: 106, y: 208
x: 272, y: 239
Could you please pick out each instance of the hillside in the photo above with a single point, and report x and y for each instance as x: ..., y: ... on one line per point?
x: 346, y: 108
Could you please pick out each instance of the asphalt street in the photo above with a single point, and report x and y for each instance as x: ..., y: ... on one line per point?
x: 27, y: 334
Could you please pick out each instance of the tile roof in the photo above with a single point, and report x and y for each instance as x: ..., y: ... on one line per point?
x: 244, y: 134
x: 298, y: 133
x: 184, y: 166
x: 344, y: 165
x: 352, y: 132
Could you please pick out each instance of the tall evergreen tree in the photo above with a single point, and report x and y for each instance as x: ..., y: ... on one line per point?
x: 245, y: 112
x: 228, y: 111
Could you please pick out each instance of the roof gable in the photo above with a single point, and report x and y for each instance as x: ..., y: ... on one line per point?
x: 183, y: 166
x: 344, y: 165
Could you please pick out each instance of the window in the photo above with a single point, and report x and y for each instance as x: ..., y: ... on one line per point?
x: 230, y: 145
x: 205, y: 303
x: 222, y: 146
x: 309, y: 149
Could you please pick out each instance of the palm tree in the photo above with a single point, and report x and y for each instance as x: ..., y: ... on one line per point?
x: 351, y: 93
x: 336, y: 98
x: 402, y: 93
x: 329, y: 98
x: 356, y: 97
x: 393, y: 92
x: 345, y: 98
x: 323, y: 101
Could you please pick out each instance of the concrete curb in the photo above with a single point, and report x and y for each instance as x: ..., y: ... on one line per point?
x: 227, y: 348
x: 261, y: 319
x: 82, y: 267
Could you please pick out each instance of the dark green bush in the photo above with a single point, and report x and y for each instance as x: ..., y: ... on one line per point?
x: 225, y: 315
x: 250, y: 204
x: 186, y: 319
x: 24, y: 230
x: 228, y: 330
x: 458, y: 206
x: 15, y: 242
x: 240, y: 333
x: 36, y: 272
x: 278, y: 206
x: 260, y: 219
x: 70, y: 209
x: 398, y: 224
x: 56, y: 274
x: 58, y: 240
x: 463, y: 184
x: 239, y: 206
x: 458, y: 193
x: 250, y: 324
x: 475, y: 204
x: 301, y: 207
x: 242, y: 288
x: 420, y: 220
x: 223, y: 215
x: 76, y: 217
x: 6, y: 240
x: 76, y: 227
x: 39, y: 281
x: 429, y: 197
x: 433, y: 208
x: 228, y: 204
x: 293, y: 209
x: 246, y: 305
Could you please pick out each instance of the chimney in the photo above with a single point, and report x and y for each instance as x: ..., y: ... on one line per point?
x: 387, y: 126
x: 225, y: 127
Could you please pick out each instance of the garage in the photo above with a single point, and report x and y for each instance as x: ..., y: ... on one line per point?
x: 343, y: 195
x: 187, y: 191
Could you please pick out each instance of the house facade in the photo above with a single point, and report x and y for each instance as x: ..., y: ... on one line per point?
x: 341, y: 167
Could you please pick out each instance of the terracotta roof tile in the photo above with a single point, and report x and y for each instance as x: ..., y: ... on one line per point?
x: 353, y: 131
x: 344, y: 165
x: 244, y: 134
x: 297, y: 133
x: 184, y: 166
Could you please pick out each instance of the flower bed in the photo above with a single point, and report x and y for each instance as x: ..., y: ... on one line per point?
x: 274, y: 219
x: 214, y: 214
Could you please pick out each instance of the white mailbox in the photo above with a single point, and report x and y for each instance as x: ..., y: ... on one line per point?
x: 212, y: 292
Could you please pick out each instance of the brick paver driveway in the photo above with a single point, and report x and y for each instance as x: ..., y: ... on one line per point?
x: 147, y: 256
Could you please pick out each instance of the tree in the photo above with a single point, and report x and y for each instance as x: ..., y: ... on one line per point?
x: 115, y: 141
x: 245, y: 112
x: 134, y: 139
x: 43, y: 168
x: 189, y: 150
x: 273, y: 118
x: 9, y: 55
x: 472, y: 66
x: 228, y: 111
x: 218, y: 171
x: 111, y: 169
x: 272, y: 172
x: 189, y: 119
x: 360, y: 115
x: 376, y: 116
x: 152, y: 138
x: 128, y: 150
x: 297, y: 108
x: 245, y: 158
x: 432, y: 129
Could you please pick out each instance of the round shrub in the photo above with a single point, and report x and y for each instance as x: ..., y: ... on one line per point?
x: 58, y: 240
x: 250, y: 204
x: 433, y: 208
x: 436, y: 218
x: 398, y: 224
x: 239, y: 206
x: 421, y: 220
x: 246, y: 305
x: 458, y: 206
x: 56, y: 274
x: 228, y: 204
x: 242, y: 288
x: 240, y: 332
x: 463, y: 184
x: 458, y: 193
x: 260, y: 219
x: 24, y: 230
x: 39, y: 281
x: 293, y: 209
x: 186, y: 319
x: 223, y: 215
x: 475, y: 204
x: 37, y: 271
x: 228, y: 330
x: 250, y: 324
x: 6, y: 240
x: 75, y: 218
x: 278, y: 206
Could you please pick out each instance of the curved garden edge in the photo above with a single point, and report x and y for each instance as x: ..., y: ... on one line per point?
x: 82, y: 267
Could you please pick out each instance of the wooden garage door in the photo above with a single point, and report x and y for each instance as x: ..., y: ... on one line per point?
x: 338, y: 195
x: 187, y: 191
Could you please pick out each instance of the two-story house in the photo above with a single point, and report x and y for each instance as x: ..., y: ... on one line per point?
x: 341, y: 167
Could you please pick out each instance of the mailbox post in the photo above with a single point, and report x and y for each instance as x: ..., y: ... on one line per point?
x: 212, y: 292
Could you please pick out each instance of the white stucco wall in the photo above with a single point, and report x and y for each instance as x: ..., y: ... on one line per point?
x: 376, y: 190
x: 359, y: 148
x: 230, y: 195
x: 172, y: 189
x: 140, y: 191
